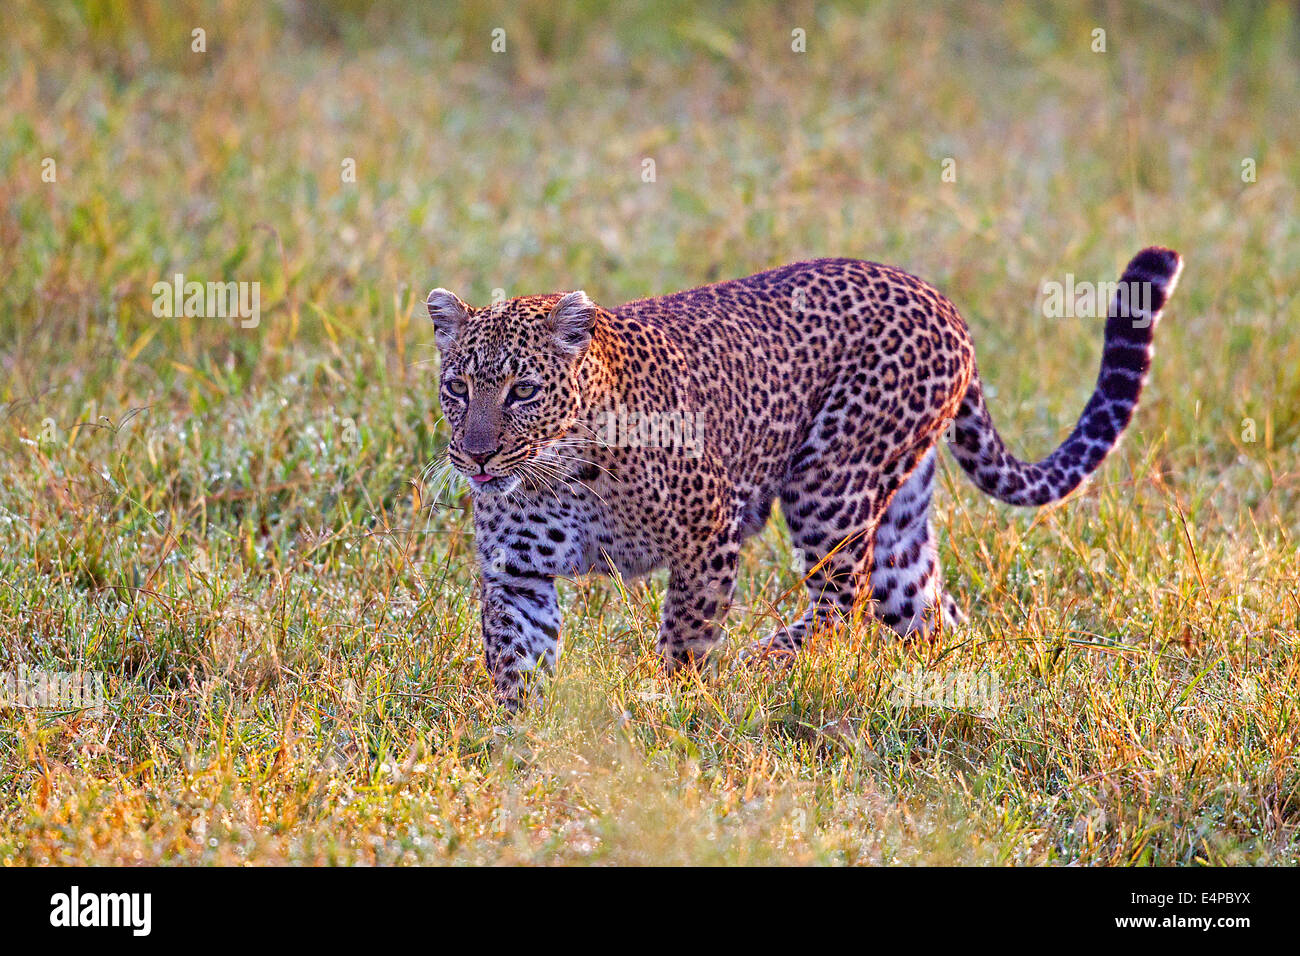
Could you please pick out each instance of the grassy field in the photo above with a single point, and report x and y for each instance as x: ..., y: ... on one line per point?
x: 226, y: 521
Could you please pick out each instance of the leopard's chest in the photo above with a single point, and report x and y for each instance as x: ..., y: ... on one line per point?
x: 573, y: 530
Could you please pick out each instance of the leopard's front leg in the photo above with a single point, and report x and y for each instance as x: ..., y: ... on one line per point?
x: 520, y: 555
x: 521, y: 627
x: 701, y: 582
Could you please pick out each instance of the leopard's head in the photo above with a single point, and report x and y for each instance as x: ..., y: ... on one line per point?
x: 509, y: 383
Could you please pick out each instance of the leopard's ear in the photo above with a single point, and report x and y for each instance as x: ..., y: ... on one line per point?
x: 572, y: 319
x: 448, y: 314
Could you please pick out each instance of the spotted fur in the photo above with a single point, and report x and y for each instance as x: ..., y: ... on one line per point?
x: 825, y: 384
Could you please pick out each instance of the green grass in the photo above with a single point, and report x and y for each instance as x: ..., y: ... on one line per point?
x: 288, y: 627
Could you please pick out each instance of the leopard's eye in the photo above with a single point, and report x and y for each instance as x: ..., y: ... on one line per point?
x: 522, y: 391
x: 456, y: 387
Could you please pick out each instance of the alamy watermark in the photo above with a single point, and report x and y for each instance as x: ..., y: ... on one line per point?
x: 34, y: 689
x: 627, y: 428
x: 1090, y: 300
x: 208, y: 300
x: 963, y: 689
x: 133, y: 911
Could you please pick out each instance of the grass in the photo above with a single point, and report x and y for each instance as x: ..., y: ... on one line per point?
x: 225, y: 522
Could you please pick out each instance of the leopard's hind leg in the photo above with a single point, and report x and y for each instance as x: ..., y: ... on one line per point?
x: 833, y: 504
x: 906, y: 584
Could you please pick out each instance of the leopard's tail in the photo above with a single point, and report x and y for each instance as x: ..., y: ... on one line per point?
x: 1143, y: 290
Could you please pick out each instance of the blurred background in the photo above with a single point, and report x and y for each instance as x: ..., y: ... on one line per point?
x: 200, y: 508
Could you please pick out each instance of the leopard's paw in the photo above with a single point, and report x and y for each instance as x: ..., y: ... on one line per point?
x: 953, y: 616
x: 777, y: 648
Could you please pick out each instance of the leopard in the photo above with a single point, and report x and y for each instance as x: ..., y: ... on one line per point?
x: 660, y: 434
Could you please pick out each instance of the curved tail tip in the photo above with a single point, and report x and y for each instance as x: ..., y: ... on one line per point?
x: 1157, y: 264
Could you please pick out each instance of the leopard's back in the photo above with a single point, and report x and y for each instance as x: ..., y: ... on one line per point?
x: 757, y: 358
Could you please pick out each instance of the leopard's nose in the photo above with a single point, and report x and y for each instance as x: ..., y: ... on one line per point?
x: 483, y: 457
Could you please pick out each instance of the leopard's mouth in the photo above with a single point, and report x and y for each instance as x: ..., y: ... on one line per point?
x: 486, y: 481
x: 490, y: 477
x: 483, y: 482
x: 508, y: 471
